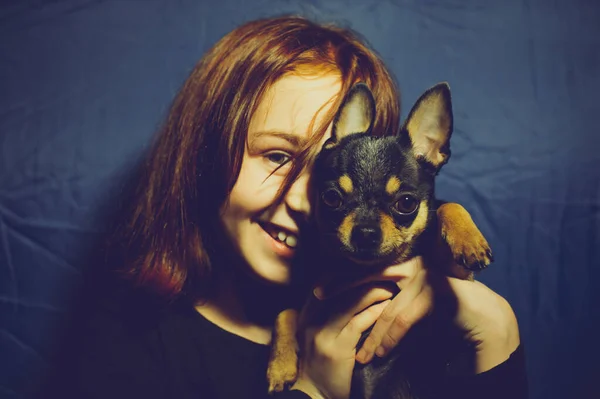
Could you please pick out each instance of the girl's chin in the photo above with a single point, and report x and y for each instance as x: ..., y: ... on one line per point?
x: 275, y: 278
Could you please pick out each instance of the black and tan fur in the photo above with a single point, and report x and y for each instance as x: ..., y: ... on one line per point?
x: 376, y: 206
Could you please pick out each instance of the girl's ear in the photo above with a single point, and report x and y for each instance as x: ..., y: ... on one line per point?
x: 429, y: 125
x: 356, y: 114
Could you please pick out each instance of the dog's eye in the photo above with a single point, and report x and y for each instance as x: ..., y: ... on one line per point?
x: 332, y: 198
x: 406, y: 205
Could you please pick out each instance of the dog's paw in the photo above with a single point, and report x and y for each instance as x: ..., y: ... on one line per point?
x: 469, y: 247
x: 282, y: 370
x: 467, y: 244
x: 282, y: 373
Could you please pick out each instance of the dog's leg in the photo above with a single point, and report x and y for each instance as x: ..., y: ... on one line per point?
x: 468, y: 247
x: 282, y: 370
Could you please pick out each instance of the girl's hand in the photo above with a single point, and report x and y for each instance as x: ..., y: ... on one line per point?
x: 329, y: 333
x: 486, y: 318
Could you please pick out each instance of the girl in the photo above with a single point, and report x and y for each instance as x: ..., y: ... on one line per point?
x: 217, y: 220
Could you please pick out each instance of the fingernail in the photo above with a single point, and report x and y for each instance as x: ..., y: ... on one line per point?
x: 380, y: 351
x: 318, y: 293
x: 363, y: 356
x: 360, y: 356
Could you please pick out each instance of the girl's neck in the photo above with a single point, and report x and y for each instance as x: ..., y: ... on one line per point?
x: 243, y: 306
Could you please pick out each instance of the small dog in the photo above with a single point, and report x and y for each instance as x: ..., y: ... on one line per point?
x: 376, y: 206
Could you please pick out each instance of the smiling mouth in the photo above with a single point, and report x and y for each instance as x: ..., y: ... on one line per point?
x: 283, y: 236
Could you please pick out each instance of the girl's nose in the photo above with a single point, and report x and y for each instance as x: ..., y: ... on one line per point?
x: 297, y: 196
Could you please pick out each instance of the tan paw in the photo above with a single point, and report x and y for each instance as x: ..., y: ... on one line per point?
x: 468, y: 246
x: 282, y: 373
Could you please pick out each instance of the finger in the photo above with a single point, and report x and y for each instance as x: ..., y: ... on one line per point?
x: 385, y: 324
x: 398, y: 274
x: 420, y: 307
x: 404, y: 273
x: 339, y: 285
x: 343, y: 309
x: 402, y: 300
x: 352, y: 332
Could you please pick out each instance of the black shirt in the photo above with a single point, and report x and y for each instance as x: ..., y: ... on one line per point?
x: 129, y: 349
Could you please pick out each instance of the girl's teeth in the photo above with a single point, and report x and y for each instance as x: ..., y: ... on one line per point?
x: 291, y: 241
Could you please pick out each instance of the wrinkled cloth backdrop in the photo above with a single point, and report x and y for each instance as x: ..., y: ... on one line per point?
x: 85, y: 84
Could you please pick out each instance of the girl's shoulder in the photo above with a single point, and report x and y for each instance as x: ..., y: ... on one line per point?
x: 122, y: 343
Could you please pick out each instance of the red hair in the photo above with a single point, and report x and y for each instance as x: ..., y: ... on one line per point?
x: 196, y: 158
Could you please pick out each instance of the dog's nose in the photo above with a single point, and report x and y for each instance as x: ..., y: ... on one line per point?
x: 365, y: 237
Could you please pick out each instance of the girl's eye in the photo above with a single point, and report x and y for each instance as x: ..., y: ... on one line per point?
x: 278, y: 158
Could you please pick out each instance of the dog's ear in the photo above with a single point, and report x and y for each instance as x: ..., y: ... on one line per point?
x: 355, y: 115
x: 429, y: 126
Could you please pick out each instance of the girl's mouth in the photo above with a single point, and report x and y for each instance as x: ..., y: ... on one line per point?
x: 281, y: 235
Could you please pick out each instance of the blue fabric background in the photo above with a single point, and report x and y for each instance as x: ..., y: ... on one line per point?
x: 85, y: 84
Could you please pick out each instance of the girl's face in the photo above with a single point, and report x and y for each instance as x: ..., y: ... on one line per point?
x: 264, y: 233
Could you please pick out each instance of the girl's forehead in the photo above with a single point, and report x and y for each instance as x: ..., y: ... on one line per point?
x: 294, y: 102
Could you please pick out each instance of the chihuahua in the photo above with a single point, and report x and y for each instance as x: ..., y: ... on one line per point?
x: 375, y: 206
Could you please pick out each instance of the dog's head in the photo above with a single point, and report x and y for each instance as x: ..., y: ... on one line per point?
x: 375, y: 193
